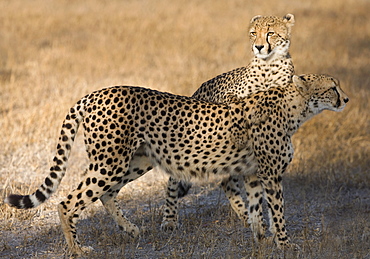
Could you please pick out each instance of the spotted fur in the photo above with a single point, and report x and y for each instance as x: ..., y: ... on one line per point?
x: 271, y: 66
x: 128, y: 130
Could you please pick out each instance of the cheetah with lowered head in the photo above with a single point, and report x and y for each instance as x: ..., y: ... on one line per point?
x: 271, y: 66
x: 185, y: 137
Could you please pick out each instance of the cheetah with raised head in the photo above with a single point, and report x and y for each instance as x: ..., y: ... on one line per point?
x: 187, y: 138
x: 271, y: 66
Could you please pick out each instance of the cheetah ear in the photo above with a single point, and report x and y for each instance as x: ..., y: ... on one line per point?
x: 300, y: 84
x: 289, y: 19
x: 336, y: 81
x: 255, y: 18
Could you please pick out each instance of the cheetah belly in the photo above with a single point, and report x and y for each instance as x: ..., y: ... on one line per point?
x: 202, y: 163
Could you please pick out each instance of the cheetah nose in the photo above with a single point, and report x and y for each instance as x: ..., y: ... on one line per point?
x: 259, y: 47
x: 346, y: 100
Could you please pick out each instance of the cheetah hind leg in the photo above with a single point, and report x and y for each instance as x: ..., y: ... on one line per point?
x: 110, y: 203
x: 69, y: 211
x: 139, y: 165
x: 88, y: 191
x: 273, y: 192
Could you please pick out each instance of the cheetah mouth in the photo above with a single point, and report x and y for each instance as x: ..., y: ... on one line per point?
x: 278, y: 51
x: 338, y: 103
x: 262, y: 55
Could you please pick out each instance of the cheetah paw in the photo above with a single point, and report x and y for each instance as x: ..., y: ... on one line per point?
x: 80, y: 250
x: 287, y: 245
x: 134, y: 232
x: 87, y: 249
x: 168, y: 225
x: 290, y: 246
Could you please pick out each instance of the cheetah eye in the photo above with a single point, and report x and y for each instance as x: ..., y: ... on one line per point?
x: 253, y: 33
x: 270, y: 33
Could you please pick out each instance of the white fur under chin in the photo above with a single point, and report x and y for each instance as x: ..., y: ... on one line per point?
x: 263, y: 56
x: 280, y: 51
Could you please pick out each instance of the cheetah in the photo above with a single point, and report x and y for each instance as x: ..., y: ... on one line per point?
x: 271, y: 66
x: 128, y: 130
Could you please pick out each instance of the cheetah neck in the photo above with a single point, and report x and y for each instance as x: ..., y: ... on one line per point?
x: 275, y: 71
x: 297, y: 109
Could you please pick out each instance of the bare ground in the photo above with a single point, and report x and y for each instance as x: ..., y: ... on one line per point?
x: 318, y: 214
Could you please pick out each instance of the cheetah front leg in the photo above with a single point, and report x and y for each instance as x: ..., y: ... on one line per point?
x: 254, y: 192
x: 275, y: 201
x: 170, y: 213
x: 253, y: 215
x: 232, y: 191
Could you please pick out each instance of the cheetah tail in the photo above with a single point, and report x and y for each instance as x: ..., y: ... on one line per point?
x: 57, y: 171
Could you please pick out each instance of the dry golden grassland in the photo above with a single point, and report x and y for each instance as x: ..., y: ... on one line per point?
x: 54, y: 52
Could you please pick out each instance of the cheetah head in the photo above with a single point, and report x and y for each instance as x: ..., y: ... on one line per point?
x: 270, y: 35
x: 323, y: 92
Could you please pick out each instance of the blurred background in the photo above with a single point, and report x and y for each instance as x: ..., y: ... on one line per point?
x: 54, y: 52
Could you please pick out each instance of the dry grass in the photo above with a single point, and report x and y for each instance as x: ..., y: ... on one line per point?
x: 54, y: 52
